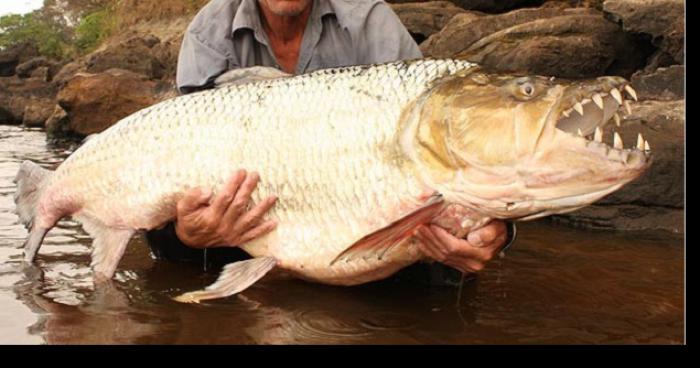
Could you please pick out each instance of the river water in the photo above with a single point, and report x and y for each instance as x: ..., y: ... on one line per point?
x: 556, y: 285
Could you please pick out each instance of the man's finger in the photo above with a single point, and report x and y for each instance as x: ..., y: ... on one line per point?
x: 240, y: 202
x: 486, y: 235
x: 257, y: 231
x: 193, y: 200
x: 254, y: 216
x: 228, y: 192
x: 428, y: 249
x: 433, y: 241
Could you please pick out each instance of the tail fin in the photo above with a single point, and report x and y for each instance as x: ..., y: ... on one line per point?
x: 30, y: 181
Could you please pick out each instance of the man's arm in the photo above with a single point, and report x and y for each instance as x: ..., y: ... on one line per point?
x: 206, y: 51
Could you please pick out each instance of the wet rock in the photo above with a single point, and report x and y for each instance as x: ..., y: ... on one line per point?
x: 663, y: 20
x: 11, y: 57
x: 655, y: 200
x: 661, y: 84
x: 12, y: 109
x: 58, y: 124
x: 37, y: 111
x: 134, y: 55
x: 25, y: 69
x: 6, y: 116
x: 424, y: 19
x: 662, y: 125
x: 564, y: 42
x: 94, y: 102
x: 625, y: 217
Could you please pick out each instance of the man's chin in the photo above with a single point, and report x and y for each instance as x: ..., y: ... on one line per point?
x: 287, y: 8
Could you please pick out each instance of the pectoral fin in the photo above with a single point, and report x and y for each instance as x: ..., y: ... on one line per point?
x: 234, y: 278
x: 379, y: 242
x: 249, y: 75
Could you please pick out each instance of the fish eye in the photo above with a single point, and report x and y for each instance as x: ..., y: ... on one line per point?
x: 528, y: 89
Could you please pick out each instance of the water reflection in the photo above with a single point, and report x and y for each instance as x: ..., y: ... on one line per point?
x: 557, y: 285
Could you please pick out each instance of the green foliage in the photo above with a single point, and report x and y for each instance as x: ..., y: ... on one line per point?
x: 30, y: 28
x: 93, y: 28
x: 52, y: 35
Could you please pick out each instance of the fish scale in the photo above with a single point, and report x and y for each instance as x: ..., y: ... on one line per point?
x: 319, y: 142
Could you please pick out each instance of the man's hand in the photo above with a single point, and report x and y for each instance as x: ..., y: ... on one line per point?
x: 226, y: 221
x: 466, y: 255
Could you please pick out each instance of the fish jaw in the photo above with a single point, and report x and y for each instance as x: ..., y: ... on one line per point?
x: 522, y: 147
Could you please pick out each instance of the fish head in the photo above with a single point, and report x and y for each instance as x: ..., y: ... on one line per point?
x: 523, y: 147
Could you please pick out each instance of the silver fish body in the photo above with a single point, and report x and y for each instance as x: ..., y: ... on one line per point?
x: 326, y: 144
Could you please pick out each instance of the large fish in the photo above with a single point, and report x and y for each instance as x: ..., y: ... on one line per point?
x: 359, y: 157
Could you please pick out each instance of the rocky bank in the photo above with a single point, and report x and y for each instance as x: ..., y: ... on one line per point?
x: 642, y: 40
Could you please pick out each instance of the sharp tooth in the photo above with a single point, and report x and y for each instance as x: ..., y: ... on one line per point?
x: 566, y: 113
x: 628, y: 108
x: 598, y: 135
x: 616, y: 95
x: 631, y: 91
x: 646, y: 146
x: 640, y: 142
x: 617, y: 141
x: 598, y: 100
x: 617, y: 119
x: 579, y: 108
x: 579, y: 132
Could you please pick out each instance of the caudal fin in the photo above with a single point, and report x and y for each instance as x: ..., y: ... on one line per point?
x: 30, y: 181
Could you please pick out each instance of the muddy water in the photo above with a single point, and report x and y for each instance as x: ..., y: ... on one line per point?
x: 557, y: 285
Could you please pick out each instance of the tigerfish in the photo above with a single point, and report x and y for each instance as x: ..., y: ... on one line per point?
x: 359, y: 157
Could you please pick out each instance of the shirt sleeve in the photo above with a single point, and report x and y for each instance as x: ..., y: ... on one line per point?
x: 384, y: 38
x: 198, y: 64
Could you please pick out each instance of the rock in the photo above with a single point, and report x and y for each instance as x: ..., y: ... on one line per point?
x: 624, y: 217
x: 663, y: 20
x: 424, y: 19
x: 25, y: 69
x: 167, y: 53
x: 13, y: 56
x: 662, y: 125
x: 37, y: 111
x: 94, y: 102
x: 6, y: 116
x: 488, y: 6
x: 16, y: 94
x: 12, y: 108
x: 151, y: 40
x: 570, y: 43
x: 656, y: 199
x: 133, y: 54
x: 661, y: 84
x: 67, y: 72
x: 58, y: 124
x: 41, y: 73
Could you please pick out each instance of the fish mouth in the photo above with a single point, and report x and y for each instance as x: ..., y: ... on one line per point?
x: 586, y: 108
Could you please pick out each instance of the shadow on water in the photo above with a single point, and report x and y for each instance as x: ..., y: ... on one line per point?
x: 557, y: 285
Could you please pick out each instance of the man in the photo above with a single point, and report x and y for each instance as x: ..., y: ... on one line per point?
x: 295, y: 36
